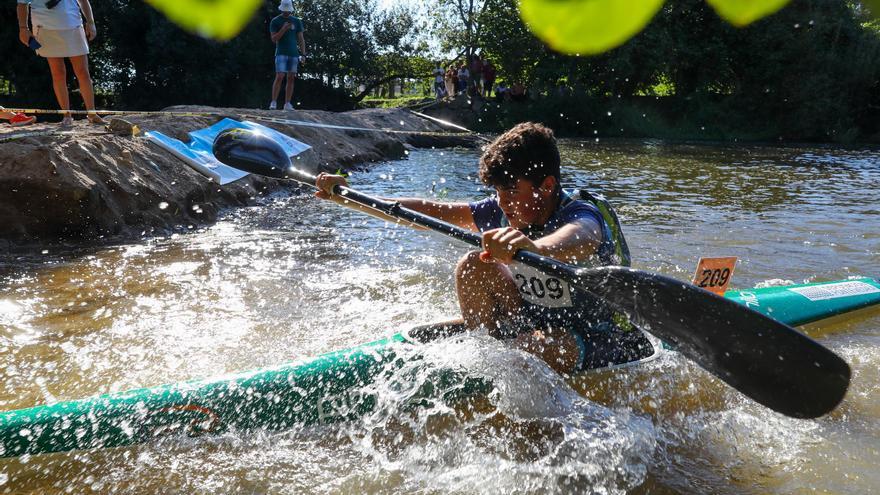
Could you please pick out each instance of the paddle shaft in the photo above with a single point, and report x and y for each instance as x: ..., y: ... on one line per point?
x: 395, y: 210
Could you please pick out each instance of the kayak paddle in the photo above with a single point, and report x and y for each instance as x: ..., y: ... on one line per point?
x: 764, y: 359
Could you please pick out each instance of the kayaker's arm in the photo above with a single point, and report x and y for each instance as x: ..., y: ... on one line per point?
x: 573, y: 242
x: 455, y: 213
x: 458, y: 214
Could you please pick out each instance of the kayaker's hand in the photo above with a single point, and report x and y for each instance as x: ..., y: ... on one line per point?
x: 24, y: 35
x: 500, y: 245
x: 326, y: 182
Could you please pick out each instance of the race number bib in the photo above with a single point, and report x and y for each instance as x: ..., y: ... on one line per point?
x: 539, y: 288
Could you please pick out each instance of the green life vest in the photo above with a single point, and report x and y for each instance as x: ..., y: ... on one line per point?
x: 621, y: 250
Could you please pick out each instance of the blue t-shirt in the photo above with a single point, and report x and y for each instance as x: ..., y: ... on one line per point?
x: 287, y: 44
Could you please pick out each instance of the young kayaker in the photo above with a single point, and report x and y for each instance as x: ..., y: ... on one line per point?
x: 530, y: 211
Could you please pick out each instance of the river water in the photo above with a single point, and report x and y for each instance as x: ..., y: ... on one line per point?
x: 296, y: 277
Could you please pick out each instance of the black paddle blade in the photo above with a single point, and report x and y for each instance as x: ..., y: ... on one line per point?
x: 768, y: 361
x: 252, y: 152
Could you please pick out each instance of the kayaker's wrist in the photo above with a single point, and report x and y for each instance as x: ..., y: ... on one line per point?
x: 538, y: 248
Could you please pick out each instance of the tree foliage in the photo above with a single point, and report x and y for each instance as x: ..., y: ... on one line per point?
x: 810, y: 71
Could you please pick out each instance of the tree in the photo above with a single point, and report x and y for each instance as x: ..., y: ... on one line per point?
x: 458, y: 25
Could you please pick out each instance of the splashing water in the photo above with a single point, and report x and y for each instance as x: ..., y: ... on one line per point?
x: 297, y: 277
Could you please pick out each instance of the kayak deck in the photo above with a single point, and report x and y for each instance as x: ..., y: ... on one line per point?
x: 328, y: 388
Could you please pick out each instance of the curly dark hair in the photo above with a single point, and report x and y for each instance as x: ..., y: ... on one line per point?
x: 528, y: 151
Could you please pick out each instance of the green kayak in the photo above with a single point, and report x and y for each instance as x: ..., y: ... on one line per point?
x: 328, y: 388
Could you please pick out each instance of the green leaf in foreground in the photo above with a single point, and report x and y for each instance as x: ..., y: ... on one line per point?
x: 873, y: 8
x: 743, y: 12
x: 587, y: 26
x: 217, y: 19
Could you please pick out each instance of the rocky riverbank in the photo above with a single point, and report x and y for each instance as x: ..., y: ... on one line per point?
x: 87, y: 185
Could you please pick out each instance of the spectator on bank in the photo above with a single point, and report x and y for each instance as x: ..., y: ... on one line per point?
x: 286, y: 31
x: 439, y: 86
x: 16, y: 119
x: 463, y: 76
x: 60, y: 34
x: 518, y: 92
x: 476, y: 72
x: 502, y: 93
x: 488, y: 78
x: 450, y: 79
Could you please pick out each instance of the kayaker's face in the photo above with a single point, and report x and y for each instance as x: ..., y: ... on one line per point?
x: 525, y: 203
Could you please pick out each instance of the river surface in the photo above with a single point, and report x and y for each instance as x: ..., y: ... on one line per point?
x: 296, y: 277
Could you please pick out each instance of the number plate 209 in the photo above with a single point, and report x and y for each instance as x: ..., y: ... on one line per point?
x: 539, y: 288
x: 714, y: 274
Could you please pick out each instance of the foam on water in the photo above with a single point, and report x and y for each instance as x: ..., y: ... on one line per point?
x: 531, y: 433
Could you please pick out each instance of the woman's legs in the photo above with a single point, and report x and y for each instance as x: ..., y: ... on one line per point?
x: 59, y: 84
x: 86, y: 89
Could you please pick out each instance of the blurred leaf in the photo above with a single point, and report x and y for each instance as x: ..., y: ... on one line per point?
x: 587, y: 26
x: 743, y: 12
x: 873, y: 7
x: 217, y: 19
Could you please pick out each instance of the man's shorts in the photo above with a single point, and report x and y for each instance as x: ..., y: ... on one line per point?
x: 285, y: 63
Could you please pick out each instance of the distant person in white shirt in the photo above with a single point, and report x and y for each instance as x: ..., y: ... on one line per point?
x: 463, y: 77
x: 60, y: 33
x: 439, y: 88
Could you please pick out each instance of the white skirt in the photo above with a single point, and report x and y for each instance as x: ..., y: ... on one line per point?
x: 61, y: 43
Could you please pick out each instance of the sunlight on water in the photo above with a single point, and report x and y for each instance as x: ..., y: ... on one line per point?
x: 296, y: 277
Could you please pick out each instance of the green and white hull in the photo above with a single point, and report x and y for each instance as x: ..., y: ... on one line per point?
x: 325, y: 389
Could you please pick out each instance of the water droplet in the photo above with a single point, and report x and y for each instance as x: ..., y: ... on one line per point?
x: 163, y: 205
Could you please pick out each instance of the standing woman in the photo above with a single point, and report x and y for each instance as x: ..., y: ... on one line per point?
x: 450, y: 79
x: 58, y: 28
